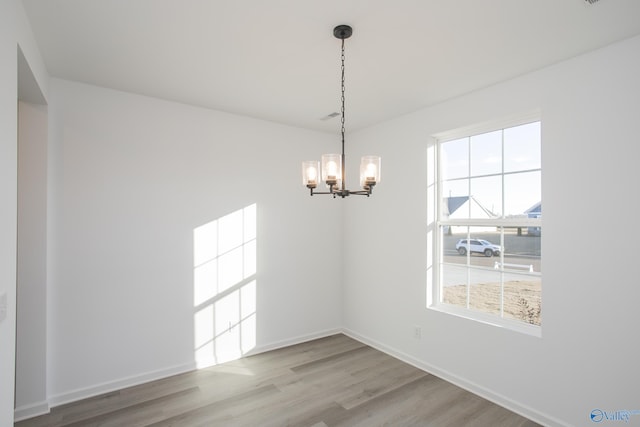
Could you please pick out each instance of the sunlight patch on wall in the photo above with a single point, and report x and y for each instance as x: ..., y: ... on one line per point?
x: 224, y: 287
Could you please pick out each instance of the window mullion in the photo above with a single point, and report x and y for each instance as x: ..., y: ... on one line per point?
x: 502, y: 231
x: 468, y: 255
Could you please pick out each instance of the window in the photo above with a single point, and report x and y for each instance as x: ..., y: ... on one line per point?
x: 488, y: 228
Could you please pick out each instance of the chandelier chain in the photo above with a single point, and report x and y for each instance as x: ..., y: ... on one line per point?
x: 342, y: 91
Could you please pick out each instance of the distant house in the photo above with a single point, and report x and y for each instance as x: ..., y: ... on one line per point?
x: 534, y: 211
x: 465, y: 207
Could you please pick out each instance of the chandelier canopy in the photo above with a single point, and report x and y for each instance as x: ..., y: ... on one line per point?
x: 333, y: 165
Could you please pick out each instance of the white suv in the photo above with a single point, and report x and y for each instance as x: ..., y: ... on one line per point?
x: 479, y: 246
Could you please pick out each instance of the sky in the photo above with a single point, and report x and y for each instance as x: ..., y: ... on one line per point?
x: 475, y: 165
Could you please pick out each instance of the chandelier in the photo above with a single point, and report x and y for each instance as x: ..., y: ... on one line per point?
x: 333, y: 165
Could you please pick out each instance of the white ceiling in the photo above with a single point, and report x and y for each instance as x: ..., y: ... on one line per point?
x: 278, y: 60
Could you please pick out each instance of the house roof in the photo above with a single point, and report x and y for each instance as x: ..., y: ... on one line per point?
x: 537, y: 208
x: 455, y: 203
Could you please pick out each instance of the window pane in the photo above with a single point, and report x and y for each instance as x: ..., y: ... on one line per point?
x: 486, y: 153
x: 522, y: 250
x: 471, y: 245
x: 455, y: 199
x: 453, y: 238
x: 484, y: 292
x: 454, y: 284
x: 522, y: 147
x: 522, y: 191
x: 523, y: 298
x: 486, y: 197
x: 455, y: 159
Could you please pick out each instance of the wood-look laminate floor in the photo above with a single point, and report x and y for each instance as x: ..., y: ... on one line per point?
x: 333, y: 381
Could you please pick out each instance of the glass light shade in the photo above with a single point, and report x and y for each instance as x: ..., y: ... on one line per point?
x: 310, y: 173
x: 369, y: 170
x: 332, y: 168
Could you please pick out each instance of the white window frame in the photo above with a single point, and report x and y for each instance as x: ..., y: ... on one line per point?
x: 435, y: 221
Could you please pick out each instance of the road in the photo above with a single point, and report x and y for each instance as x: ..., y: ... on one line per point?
x: 521, y: 254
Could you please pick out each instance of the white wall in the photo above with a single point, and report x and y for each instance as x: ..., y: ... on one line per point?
x: 14, y: 32
x: 31, y: 327
x: 587, y: 356
x: 132, y: 178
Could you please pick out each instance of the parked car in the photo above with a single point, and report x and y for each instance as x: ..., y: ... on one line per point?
x: 479, y: 246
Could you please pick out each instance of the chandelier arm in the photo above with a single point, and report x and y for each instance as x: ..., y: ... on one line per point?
x: 344, y: 193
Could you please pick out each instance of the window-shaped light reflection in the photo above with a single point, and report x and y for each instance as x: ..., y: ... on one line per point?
x: 230, y: 269
x: 205, y: 280
x: 227, y: 320
x: 225, y: 265
x: 249, y: 259
x: 204, y: 336
x: 248, y: 316
x: 205, y: 243
x: 205, y: 265
x: 230, y: 232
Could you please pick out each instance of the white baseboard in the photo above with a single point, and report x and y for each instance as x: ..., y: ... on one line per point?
x: 110, y: 386
x: 30, y: 411
x: 84, y: 393
x: 474, y: 388
x: 293, y: 341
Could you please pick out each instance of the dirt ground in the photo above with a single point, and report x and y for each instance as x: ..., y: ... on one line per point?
x: 522, y: 299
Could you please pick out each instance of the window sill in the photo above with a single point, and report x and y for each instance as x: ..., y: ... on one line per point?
x: 488, y: 319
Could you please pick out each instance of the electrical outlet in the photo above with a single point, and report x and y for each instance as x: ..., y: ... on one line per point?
x: 3, y: 306
x: 417, y: 332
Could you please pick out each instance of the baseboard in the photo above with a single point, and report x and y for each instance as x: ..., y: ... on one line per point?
x: 110, y: 386
x: 474, y: 388
x: 30, y: 411
x: 293, y: 341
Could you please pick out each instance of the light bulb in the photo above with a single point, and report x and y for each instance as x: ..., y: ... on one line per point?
x: 370, y: 173
x: 332, y: 169
x: 312, y: 174
x: 310, y: 170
